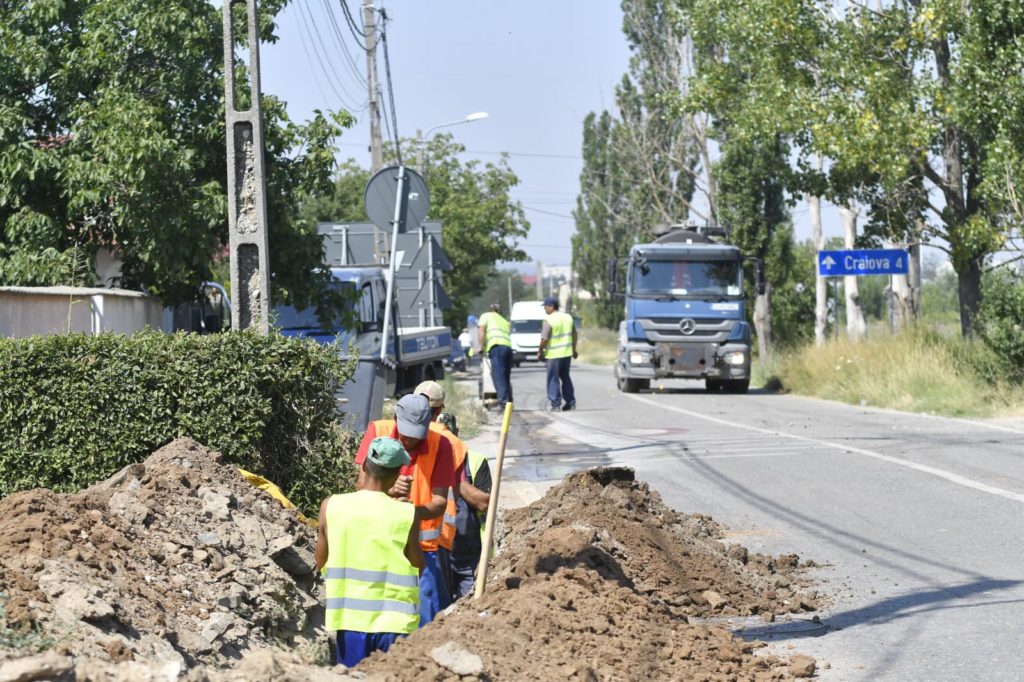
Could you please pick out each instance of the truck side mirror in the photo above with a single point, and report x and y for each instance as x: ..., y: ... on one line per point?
x: 760, y: 283
x: 613, y: 275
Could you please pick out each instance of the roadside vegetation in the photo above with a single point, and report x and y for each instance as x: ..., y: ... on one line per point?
x: 597, y: 346
x: 78, y: 408
x: 916, y: 371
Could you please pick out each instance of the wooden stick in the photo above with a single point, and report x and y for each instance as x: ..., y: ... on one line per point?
x: 492, y: 507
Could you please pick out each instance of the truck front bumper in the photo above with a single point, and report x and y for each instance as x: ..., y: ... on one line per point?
x: 684, y: 361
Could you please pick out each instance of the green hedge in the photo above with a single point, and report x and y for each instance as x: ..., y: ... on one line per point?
x: 75, y: 409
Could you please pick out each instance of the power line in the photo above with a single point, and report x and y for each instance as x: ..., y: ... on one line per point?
x: 551, y: 213
x: 391, y: 89
x: 339, y: 39
x: 477, y: 151
x: 357, y: 33
x: 320, y: 50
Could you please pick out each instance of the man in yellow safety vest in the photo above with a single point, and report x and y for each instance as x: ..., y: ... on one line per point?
x: 558, y: 347
x: 368, y: 550
x: 496, y: 341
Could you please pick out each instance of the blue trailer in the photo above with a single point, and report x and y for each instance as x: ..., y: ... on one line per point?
x: 413, y: 354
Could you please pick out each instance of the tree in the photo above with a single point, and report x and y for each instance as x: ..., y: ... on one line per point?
x: 640, y: 162
x: 600, y: 235
x: 481, y: 224
x: 112, y: 137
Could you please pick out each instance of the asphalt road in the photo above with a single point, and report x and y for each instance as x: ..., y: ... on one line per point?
x: 918, y: 521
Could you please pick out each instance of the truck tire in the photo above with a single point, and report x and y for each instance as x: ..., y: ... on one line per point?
x: 738, y: 386
x: 627, y: 385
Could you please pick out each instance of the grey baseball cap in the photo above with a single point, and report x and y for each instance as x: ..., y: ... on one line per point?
x: 413, y: 415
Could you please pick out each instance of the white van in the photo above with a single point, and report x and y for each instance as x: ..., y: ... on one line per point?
x: 526, y: 319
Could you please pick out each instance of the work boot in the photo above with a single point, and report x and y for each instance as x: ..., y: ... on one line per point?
x: 554, y: 408
x: 568, y: 406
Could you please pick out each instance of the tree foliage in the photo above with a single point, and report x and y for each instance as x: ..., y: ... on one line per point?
x: 112, y: 136
x: 640, y: 161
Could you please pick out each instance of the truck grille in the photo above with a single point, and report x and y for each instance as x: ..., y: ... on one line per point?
x: 706, y: 330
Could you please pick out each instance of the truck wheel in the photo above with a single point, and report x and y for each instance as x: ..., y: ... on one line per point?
x: 627, y: 385
x: 737, y: 386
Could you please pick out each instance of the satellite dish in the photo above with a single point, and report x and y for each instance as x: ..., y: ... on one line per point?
x: 382, y: 191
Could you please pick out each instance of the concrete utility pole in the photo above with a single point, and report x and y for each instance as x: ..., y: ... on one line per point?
x: 370, y: 31
x: 419, y: 152
x: 247, y: 200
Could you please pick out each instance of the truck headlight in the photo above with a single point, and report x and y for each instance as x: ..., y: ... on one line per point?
x: 639, y: 357
x: 735, y: 358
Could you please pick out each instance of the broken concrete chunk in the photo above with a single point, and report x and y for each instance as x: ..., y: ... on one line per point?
x: 713, y: 598
x: 802, y: 666
x: 78, y: 603
x: 252, y: 532
x: 45, y: 666
x: 208, y: 539
x: 291, y: 558
x: 215, y: 627
x: 456, y: 659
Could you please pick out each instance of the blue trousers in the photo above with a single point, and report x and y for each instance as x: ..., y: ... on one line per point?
x: 501, y: 373
x: 462, y: 579
x: 352, y: 647
x: 433, y: 589
x: 558, y: 373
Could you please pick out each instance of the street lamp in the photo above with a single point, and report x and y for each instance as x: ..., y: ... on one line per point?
x: 420, y: 142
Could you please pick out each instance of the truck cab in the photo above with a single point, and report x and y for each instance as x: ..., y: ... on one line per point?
x: 685, y: 314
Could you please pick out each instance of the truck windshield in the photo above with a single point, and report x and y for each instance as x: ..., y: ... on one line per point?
x: 287, y: 317
x: 688, y: 278
x: 526, y: 326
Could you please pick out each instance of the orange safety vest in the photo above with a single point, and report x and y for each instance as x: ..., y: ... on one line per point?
x: 420, y: 494
x: 458, y: 454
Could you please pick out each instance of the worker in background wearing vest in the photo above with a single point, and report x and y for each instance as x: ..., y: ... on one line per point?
x: 558, y: 347
x: 367, y: 547
x: 424, y: 482
x: 496, y: 340
x: 471, y: 513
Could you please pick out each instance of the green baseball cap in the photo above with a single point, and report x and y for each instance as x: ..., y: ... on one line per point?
x: 388, y: 453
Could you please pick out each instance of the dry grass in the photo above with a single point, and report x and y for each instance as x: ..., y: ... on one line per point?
x: 598, y: 346
x: 914, y: 372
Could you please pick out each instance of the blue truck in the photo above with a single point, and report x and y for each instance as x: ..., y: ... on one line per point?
x: 685, y: 314
x: 413, y: 354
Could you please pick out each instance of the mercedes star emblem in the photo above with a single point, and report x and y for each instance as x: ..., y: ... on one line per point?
x: 687, y: 326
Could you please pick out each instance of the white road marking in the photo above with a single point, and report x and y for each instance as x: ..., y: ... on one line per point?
x: 923, y: 468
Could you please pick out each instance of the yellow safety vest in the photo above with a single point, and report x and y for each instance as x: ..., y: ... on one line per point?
x: 370, y: 584
x: 560, y: 341
x: 497, y: 330
x: 476, y: 460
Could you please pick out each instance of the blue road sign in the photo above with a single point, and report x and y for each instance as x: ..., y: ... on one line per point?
x: 863, y: 262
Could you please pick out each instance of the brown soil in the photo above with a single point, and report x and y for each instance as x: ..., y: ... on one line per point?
x: 178, y: 567
x: 177, y: 560
x: 599, y: 580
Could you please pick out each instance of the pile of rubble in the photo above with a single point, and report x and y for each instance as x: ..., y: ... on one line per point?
x: 174, y: 562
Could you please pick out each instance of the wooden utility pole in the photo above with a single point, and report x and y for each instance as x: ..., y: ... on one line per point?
x: 370, y: 32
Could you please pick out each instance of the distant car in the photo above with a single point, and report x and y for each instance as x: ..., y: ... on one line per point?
x: 457, y: 358
x: 527, y: 318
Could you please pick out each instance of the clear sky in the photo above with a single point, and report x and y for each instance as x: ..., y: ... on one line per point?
x: 537, y: 67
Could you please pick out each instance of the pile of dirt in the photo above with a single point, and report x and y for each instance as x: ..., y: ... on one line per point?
x: 171, y: 563
x: 606, y: 520
x: 599, y: 580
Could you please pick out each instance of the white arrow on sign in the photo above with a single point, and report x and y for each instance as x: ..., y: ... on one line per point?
x: 828, y: 262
